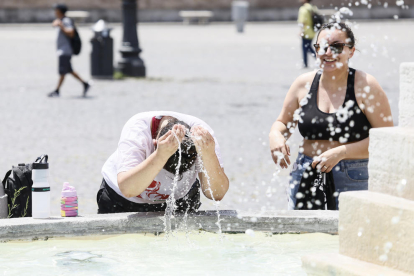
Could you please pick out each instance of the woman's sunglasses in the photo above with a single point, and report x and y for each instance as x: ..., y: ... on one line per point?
x: 336, y: 48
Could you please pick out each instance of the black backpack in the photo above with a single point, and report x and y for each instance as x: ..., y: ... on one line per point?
x: 19, y: 189
x: 75, y: 41
x: 317, y: 20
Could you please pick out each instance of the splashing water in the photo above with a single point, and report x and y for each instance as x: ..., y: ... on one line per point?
x: 344, y: 112
x: 216, y: 203
x: 171, y: 206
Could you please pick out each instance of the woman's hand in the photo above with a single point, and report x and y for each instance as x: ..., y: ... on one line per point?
x: 280, y: 150
x: 327, y: 160
x: 167, y: 144
x: 203, y: 140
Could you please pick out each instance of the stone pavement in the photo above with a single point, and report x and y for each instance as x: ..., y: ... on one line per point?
x: 235, y: 82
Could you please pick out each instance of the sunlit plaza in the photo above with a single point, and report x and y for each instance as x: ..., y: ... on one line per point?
x: 237, y: 83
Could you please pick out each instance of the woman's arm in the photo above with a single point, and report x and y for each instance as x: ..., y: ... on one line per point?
x: 284, y: 125
x: 376, y: 105
x: 212, y: 178
x: 135, y: 181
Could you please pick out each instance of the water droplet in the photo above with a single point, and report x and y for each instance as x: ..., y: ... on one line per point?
x: 250, y: 232
x: 383, y: 258
x: 399, y: 2
x: 299, y: 195
x: 395, y: 220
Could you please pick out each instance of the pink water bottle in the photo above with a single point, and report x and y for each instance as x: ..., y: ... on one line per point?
x: 69, y: 201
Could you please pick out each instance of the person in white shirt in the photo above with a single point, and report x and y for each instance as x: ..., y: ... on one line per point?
x: 139, y: 176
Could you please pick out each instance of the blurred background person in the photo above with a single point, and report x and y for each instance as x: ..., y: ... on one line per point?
x: 306, y: 29
x: 66, y: 31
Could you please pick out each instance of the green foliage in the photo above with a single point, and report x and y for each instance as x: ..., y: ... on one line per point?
x: 118, y: 75
x: 25, y: 208
x: 14, y: 206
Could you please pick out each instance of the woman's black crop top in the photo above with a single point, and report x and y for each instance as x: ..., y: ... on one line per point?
x: 347, y: 124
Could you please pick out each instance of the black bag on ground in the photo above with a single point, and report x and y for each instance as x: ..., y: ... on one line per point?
x: 19, y: 189
x: 75, y: 41
x: 316, y: 191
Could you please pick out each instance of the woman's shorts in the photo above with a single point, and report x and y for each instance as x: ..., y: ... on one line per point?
x: 349, y: 175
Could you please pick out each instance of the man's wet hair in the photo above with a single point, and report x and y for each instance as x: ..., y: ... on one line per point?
x: 61, y: 7
x: 339, y: 26
x: 188, y: 149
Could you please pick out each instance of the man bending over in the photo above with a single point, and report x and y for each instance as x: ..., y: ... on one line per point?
x: 155, y: 149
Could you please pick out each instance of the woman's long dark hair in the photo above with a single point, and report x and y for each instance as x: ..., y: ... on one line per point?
x: 188, y: 150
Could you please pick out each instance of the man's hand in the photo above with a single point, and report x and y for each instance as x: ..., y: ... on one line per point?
x: 57, y: 23
x: 167, y: 144
x: 203, y: 140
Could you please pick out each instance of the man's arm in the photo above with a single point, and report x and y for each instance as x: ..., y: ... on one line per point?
x: 136, y: 180
x: 214, y: 182
x: 68, y: 31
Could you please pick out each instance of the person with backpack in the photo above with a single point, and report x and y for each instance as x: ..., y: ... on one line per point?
x: 68, y: 43
x: 307, y: 32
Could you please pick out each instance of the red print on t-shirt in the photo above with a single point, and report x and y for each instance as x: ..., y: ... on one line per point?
x: 152, y: 192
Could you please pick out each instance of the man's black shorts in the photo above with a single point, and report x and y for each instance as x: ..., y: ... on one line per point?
x: 64, y: 65
x: 110, y: 202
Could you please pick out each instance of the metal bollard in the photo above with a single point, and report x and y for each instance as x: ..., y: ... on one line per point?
x: 102, y: 52
x: 239, y: 14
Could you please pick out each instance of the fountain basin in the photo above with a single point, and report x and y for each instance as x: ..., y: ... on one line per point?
x: 121, y: 223
x: 183, y: 253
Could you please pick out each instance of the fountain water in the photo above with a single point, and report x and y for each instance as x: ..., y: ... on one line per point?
x: 170, y: 210
x: 171, y: 206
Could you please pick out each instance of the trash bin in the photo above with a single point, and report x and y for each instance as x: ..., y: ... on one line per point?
x: 102, y: 52
x: 239, y: 14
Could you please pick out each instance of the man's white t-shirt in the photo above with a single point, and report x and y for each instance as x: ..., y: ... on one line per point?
x: 135, y: 145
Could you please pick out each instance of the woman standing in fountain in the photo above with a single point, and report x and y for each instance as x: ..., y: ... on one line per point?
x: 335, y: 109
x: 160, y: 155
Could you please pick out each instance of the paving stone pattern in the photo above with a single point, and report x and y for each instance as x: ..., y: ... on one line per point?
x: 235, y: 82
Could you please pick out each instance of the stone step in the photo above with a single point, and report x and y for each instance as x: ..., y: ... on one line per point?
x: 391, y: 161
x: 406, y: 102
x: 336, y: 264
x: 377, y: 228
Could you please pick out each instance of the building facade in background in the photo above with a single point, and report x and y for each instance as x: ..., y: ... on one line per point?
x: 25, y: 11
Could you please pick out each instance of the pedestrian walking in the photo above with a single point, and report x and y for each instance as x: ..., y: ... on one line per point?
x: 307, y: 31
x: 66, y: 31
